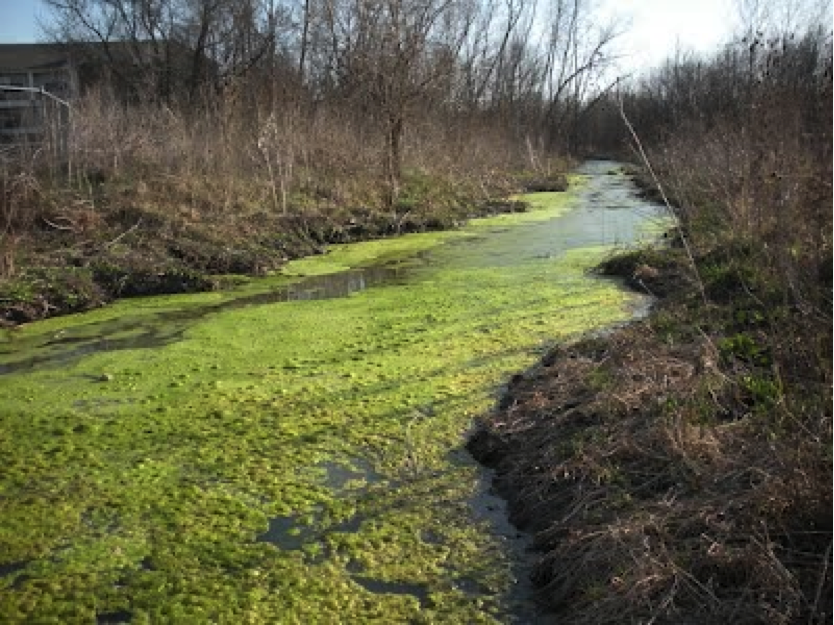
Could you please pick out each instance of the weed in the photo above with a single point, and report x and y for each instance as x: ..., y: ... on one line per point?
x: 762, y: 393
x: 744, y: 347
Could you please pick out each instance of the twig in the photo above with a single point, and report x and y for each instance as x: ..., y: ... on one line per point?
x: 669, y: 208
x: 57, y: 226
x: 402, y: 219
x: 645, y: 288
x: 822, y: 579
x: 122, y: 235
x: 665, y: 603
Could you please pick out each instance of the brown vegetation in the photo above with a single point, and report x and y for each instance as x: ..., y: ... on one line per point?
x: 244, y: 132
x: 665, y: 480
x: 679, y: 470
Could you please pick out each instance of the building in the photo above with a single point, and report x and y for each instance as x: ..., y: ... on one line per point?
x: 27, y: 73
x: 39, y: 81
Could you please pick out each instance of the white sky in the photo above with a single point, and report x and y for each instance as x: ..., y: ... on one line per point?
x: 654, y: 28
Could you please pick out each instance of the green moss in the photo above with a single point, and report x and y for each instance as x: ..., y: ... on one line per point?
x: 138, y: 480
x: 744, y: 347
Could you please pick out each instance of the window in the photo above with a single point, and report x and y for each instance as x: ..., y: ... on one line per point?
x: 14, y: 80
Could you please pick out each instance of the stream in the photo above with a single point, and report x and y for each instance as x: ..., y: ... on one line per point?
x: 292, y: 450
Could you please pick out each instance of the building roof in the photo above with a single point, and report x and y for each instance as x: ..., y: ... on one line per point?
x: 21, y: 57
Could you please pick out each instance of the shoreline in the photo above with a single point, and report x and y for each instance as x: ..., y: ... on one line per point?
x: 66, y: 270
x: 646, y: 481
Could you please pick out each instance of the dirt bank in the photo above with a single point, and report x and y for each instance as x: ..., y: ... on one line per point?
x: 70, y: 255
x: 667, y: 475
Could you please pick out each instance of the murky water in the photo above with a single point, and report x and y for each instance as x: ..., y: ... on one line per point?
x: 292, y: 451
x: 166, y: 327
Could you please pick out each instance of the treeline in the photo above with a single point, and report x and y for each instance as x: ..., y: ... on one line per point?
x: 743, y: 144
x: 507, y: 76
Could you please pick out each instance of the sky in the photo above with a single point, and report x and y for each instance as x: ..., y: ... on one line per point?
x: 18, y: 20
x: 655, y: 27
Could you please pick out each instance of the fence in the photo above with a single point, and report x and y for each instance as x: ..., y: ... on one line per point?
x: 31, y: 117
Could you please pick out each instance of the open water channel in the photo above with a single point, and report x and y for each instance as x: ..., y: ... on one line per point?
x: 291, y: 451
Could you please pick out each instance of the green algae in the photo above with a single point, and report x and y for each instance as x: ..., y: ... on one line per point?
x: 143, y: 480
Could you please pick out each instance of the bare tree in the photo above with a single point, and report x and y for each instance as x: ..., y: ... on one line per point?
x: 790, y: 16
x: 389, y: 56
x: 577, y: 53
x: 167, y: 48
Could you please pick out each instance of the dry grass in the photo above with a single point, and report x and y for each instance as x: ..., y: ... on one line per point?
x: 237, y: 156
x: 146, y: 198
x: 234, y: 154
x: 645, y: 505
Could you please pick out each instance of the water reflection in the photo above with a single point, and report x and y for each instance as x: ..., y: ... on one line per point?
x: 169, y: 326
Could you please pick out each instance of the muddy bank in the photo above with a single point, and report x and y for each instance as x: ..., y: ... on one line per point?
x: 76, y: 259
x: 644, y: 465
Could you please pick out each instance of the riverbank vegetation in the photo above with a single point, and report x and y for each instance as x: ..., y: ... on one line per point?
x: 679, y: 470
x: 164, y: 202
x: 227, y: 136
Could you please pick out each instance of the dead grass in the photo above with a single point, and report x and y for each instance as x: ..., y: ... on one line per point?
x: 656, y: 490
x: 239, y: 185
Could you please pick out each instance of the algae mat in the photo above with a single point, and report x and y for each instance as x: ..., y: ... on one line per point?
x: 291, y: 451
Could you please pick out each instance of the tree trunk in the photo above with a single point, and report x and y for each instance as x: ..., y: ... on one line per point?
x: 393, y: 159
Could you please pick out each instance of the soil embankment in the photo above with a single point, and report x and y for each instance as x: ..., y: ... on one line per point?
x: 663, y: 474
x: 76, y: 258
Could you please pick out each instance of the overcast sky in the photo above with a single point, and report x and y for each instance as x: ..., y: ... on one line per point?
x: 655, y: 28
